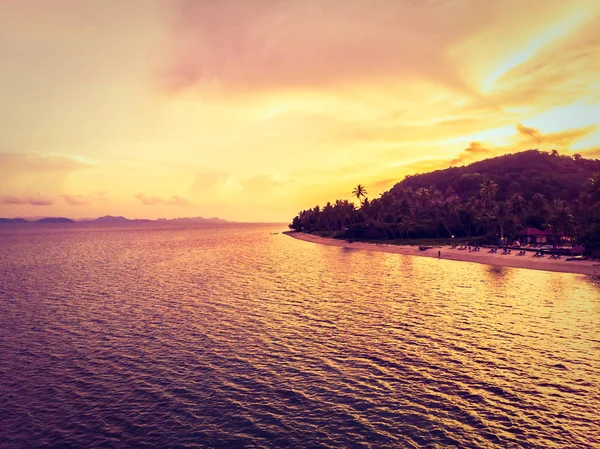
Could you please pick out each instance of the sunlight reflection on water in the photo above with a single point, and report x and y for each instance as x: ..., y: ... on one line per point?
x: 231, y: 336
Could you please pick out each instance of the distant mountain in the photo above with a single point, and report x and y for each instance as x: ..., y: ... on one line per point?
x: 55, y: 220
x: 116, y: 220
x: 109, y: 219
x: 13, y: 220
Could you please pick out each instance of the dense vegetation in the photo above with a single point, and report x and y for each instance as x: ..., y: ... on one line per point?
x: 485, y: 201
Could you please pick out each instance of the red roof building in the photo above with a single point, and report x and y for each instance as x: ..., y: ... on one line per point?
x: 534, y: 236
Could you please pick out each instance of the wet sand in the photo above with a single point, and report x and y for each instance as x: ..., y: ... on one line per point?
x: 447, y: 252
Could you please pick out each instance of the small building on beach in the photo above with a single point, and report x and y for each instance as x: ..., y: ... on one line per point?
x: 534, y: 236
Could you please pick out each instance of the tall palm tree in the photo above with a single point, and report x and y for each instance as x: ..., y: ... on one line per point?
x: 453, y: 203
x: 472, y: 214
x: 421, y: 201
x: 583, y: 204
x: 538, y: 203
x: 517, y: 205
x: 439, y: 208
x: 501, y: 215
x: 327, y: 214
x: 359, y: 191
x: 488, y: 191
x: 340, y: 213
x: 406, y: 225
x: 349, y: 211
x: 562, y: 219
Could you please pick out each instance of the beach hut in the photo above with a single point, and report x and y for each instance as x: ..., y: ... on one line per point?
x: 534, y: 236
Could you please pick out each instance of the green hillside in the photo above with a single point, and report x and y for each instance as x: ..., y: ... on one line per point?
x: 490, y: 201
x: 527, y: 173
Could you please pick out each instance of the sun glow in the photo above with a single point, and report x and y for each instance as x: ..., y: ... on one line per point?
x: 253, y: 115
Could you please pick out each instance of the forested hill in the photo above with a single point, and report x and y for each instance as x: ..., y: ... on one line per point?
x: 527, y: 173
x: 491, y: 200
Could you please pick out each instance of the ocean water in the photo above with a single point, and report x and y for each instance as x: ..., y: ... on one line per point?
x: 233, y: 337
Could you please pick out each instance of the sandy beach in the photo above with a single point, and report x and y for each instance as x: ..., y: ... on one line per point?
x: 511, y: 260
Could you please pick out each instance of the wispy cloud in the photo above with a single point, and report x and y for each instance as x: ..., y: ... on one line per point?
x: 261, y: 183
x: 475, y: 150
x: 173, y: 200
x: 37, y: 172
x: 272, y: 44
x: 560, y: 139
x: 32, y: 200
x: 525, y: 138
x: 85, y: 200
x: 76, y: 200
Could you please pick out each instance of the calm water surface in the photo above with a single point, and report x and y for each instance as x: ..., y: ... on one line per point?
x: 232, y: 337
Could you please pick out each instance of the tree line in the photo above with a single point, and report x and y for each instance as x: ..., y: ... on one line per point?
x: 489, y: 212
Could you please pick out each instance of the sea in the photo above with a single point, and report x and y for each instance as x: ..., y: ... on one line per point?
x: 228, y: 336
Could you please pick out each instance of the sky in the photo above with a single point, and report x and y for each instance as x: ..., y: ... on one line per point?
x: 251, y: 110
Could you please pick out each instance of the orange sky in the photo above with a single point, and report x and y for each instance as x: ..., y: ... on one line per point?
x: 254, y: 109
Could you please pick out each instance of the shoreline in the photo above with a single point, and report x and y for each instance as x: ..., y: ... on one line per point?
x: 448, y: 253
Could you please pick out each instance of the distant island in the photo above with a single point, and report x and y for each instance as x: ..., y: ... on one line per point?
x: 115, y: 220
x: 532, y: 197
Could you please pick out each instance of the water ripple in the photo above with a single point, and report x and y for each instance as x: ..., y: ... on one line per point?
x: 233, y: 337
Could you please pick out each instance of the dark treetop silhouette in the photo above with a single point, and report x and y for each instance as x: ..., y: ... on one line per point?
x: 482, y: 202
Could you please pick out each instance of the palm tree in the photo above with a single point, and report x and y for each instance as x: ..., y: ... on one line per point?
x: 453, y: 203
x: 517, y: 205
x: 340, y: 214
x: 538, y: 203
x: 502, y: 216
x: 488, y: 191
x: 421, y: 201
x: 472, y: 213
x: 406, y: 225
x: 327, y: 214
x: 359, y: 191
x: 349, y: 211
x: 562, y: 219
x: 583, y: 204
x: 438, y: 205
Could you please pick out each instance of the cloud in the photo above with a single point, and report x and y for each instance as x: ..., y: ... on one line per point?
x: 206, y: 179
x: 215, y: 184
x: 287, y: 100
x: 32, y: 200
x: 76, y: 200
x: 41, y: 162
x: 261, y: 183
x: 46, y: 173
x: 590, y: 153
x: 560, y: 139
x: 559, y: 74
x: 85, y: 200
x: 174, y: 200
x: 247, y: 45
x: 525, y: 138
x: 475, y: 150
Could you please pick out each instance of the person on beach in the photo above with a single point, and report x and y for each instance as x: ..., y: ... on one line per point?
x: 439, y: 254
